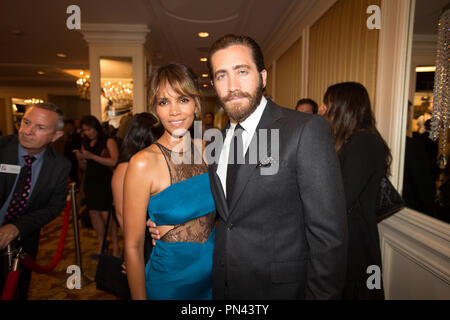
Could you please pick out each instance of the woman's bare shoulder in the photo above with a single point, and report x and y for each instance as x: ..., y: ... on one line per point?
x: 148, y: 157
x: 120, y: 169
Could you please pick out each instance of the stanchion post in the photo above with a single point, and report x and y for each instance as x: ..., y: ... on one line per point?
x: 73, y: 196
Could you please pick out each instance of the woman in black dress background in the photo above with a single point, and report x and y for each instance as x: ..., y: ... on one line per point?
x: 365, y: 158
x: 98, y: 156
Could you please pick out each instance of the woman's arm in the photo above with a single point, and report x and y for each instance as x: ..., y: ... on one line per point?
x: 81, y: 160
x: 110, y: 161
x: 137, y: 189
x: 117, y: 182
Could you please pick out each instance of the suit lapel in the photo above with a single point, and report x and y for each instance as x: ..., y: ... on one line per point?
x: 270, y: 114
x: 216, y: 185
x: 10, y: 155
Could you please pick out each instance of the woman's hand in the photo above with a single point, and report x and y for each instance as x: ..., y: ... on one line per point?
x: 87, y: 154
x: 79, y: 155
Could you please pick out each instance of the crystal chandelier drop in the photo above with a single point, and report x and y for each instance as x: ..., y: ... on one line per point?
x: 440, y: 120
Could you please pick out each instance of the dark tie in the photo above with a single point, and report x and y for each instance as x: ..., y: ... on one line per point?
x: 235, y: 158
x: 19, y: 199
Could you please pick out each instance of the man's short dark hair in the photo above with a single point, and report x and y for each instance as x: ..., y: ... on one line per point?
x: 69, y: 121
x: 54, y: 108
x: 212, y: 114
x: 311, y: 102
x: 232, y: 40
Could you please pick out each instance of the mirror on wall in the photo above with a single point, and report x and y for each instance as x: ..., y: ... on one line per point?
x: 116, y: 88
x: 18, y: 106
x: 426, y: 186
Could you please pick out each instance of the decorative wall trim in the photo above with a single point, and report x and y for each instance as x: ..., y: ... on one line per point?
x: 115, y: 33
x: 305, y: 63
x: 424, y: 241
x: 391, y: 98
x: 190, y: 20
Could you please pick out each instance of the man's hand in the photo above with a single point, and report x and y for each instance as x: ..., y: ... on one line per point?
x: 154, y: 232
x: 8, y: 233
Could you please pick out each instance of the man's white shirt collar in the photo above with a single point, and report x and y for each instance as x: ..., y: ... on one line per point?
x: 249, y: 125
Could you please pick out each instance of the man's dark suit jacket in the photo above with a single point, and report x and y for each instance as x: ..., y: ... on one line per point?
x: 284, y: 236
x: 48, y: 197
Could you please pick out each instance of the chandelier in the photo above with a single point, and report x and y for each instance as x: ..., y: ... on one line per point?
x: 440, y: 120
x: 33, y: 101
x: 83, y: 84
x: 120, y: 96
x: 120, y: 93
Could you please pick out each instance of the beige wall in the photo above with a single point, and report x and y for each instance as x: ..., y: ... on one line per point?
x: 269, y: 83
x: 342, y: 48
x: 3, y: 117
x: 73, y: 107
x: 288, y: 76
x: 330, y: 43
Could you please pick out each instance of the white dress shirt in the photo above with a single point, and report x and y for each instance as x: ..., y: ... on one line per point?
x: 249, y: 128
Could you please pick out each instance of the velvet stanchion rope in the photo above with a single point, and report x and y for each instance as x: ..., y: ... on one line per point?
x: 33, y: 266
x: 13, y: 276
x: 10, y: 285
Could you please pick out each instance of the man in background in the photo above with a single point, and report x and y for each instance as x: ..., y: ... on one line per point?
x: 307, y: 105
x: 208, y: 121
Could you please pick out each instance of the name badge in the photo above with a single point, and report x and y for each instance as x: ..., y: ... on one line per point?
x: 9, y: 168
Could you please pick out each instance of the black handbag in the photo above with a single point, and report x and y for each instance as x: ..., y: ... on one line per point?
x: 389, y: 201
x: 109, y: 276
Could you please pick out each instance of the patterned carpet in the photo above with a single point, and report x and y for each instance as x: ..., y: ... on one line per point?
x: 52, y: 285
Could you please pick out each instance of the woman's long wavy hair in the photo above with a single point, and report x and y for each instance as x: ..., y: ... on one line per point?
x: 142, y: 132
x: 93, y: 122
x: 349, y: 111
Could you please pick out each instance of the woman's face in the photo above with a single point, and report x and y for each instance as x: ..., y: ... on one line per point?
x: 175, y: 111
x: 89, y: 132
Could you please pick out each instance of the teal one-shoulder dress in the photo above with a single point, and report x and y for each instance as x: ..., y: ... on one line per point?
x: 180, y: 264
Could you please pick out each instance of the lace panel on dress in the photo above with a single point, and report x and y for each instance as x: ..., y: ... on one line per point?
x: 195, y: 230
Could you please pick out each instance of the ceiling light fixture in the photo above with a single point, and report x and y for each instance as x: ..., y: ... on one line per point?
x: 40, y: 72
x: 61, y: 55
x: 203, y: 59
x: 425, y: 69
x: 203, y: 34
x: 204, y: 75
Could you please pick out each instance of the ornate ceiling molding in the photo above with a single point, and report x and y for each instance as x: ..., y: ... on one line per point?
x: 220, y: 20
x: 115, y: 33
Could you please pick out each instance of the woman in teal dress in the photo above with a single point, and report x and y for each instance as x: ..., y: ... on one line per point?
x: 168, y: 181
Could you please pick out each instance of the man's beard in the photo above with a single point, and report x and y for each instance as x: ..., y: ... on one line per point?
x: 238, y: 111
